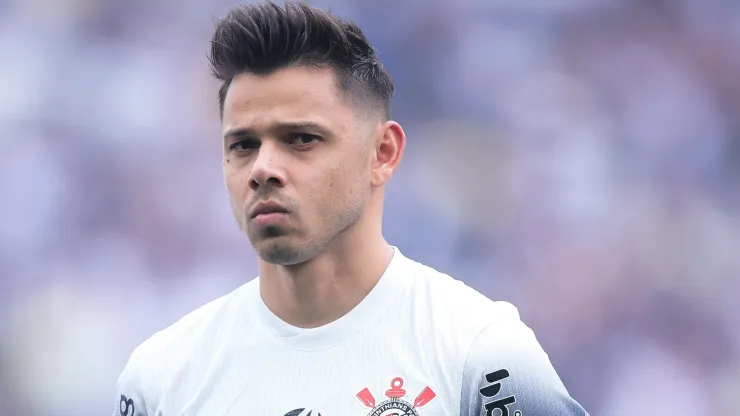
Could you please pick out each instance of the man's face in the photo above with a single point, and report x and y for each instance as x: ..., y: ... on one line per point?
x: 294, y: 150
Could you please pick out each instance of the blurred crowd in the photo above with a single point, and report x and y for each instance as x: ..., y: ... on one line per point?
x: 578, y: 158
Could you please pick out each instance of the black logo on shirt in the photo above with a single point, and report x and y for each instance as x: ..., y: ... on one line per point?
x: 489, y: 392
x: 301, y: 412
x: 125, y: 407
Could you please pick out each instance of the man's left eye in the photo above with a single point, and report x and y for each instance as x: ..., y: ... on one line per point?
x: 303, y: 138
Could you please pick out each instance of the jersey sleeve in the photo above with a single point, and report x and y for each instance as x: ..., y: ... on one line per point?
x: 507, y: 373
x: 130, y: 392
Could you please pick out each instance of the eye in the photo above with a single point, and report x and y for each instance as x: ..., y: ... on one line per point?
x: 303, y: 139
x: 243, y: 145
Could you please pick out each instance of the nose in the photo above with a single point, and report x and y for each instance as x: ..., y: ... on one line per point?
x: 267, y: 170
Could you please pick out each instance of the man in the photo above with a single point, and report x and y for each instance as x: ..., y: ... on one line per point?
x: 338, y: 322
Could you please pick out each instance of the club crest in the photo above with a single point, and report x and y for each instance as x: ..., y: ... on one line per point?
x: 394, y: 403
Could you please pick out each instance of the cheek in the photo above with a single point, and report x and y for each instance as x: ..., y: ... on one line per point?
x: 334, y: 187
x: 326, y: 190
x: 236, y: 185
x: 345, y: 183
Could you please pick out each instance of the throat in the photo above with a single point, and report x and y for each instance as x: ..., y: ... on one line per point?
x: 318, y: 294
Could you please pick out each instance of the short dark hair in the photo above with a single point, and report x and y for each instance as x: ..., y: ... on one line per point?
x: 263, y: 38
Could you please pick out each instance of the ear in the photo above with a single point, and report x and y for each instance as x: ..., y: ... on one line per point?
x: 389, y: 149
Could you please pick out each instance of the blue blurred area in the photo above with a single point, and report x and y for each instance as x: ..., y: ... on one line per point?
x: 580, y: 159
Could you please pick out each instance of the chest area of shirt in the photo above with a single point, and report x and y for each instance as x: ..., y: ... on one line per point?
x: 301, y: 386
x: 400, y: 395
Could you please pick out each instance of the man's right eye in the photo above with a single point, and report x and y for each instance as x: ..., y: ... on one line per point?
x: 244, y: 145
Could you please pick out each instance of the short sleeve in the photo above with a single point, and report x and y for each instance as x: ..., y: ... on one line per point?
x: 130, y: 392
x: 507, y: 373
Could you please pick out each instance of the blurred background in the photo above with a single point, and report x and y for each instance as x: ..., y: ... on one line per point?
x: 578, y: 158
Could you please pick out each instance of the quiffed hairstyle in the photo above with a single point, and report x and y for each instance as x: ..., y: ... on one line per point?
x: 263, y: 38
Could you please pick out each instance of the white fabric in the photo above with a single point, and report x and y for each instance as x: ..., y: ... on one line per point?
x: 431, y: 336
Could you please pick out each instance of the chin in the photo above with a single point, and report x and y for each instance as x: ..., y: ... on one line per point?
x: 279, y: 251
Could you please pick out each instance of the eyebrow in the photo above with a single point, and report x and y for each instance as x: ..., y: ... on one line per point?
x: 278, y: 126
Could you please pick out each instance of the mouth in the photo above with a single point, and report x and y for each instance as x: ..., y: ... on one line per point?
x: 267, y: 208
x: 268, y: 213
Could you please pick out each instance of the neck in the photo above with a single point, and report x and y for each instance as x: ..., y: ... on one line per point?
x: 326, y: 288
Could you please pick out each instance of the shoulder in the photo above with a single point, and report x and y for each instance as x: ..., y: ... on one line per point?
x: 160, y: 358
x: 206, y: 319
x: 452, y: 302
x: 497, y: 359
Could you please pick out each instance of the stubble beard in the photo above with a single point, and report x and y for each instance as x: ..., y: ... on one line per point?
x: 274, y: 244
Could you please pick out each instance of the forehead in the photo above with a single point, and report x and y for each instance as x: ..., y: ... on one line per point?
x: 290, y: 94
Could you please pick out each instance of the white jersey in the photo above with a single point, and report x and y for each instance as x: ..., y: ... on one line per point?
x: 420, y: 343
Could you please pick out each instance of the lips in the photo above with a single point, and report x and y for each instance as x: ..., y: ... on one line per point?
x: 267, y: 208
